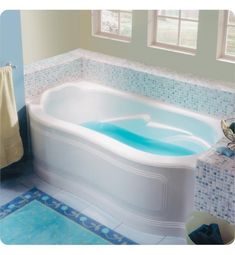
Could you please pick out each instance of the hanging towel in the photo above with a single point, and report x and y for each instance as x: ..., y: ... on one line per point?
x: 11, y: 149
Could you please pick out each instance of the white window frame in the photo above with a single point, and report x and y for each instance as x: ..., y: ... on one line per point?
x: 222, y: 37
x: 152, y: 30
x: 96, y: 27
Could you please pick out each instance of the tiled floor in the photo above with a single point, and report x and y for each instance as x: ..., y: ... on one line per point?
x: 14, y: 187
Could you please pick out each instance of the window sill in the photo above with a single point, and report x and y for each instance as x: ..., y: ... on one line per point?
x: 113, y: 37
x: 226, y: 60
x: 174, y: 50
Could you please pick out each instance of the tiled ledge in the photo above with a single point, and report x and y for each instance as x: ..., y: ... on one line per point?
x: 51, y: 62
x: 102, y: 58
x: 39, y: 79
x: 215, y: 184
x: 214, y: 98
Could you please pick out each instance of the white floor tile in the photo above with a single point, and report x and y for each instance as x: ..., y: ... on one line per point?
x: 138, y: 236
x: 171, y: 240
x: 9, y: 190
x: 71, y: 200
x: 102, y: 217
x: 33, y: 180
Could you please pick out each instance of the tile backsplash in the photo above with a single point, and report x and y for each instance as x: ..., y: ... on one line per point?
x: 199, y: 95
x: 38, y: 81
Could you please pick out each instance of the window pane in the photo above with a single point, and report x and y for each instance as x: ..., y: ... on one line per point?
x: 231, y: 18
x: 125, y: 23
x: 109, y: 22
x: 167, y: 31
x: 188, y: 34
x: 230, y: 47
x: 172, y: 13
x: 189, y: 14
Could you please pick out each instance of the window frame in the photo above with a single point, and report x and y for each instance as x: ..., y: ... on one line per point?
x: 223, y: 27
x: 153, y: 16
x: 96, y: 27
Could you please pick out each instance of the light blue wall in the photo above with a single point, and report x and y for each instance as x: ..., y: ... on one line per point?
x: 11, y: 51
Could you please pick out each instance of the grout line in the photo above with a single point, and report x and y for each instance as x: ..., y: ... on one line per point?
x: 159, y: 242
x: 19, y: 180
x: 85, y: 207
x: 40, y: 180
x: 82, y: 211
x: 21, y: 183
x: 118, y: 225
x: 102, y: 214
x: 74, y: 199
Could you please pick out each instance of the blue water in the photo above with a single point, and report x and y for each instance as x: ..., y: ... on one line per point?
x: 137, y: 141
x: 36, y: 223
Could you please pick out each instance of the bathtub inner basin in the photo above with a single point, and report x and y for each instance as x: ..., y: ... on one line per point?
x: 143, y: 134
x: 150, y: 127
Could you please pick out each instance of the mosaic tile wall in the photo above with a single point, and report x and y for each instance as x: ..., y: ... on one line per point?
x: 38, y: 81
x: 215, y: 184
x: 183, y: 94
x: 187, y: 92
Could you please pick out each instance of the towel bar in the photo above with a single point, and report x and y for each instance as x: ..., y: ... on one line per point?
x: 10, y: 64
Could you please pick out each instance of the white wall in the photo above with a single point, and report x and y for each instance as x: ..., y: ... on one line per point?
x: 203, y: 64
x: 48, y: 33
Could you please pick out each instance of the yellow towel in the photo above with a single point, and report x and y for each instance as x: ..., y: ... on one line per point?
x: 11, y: 148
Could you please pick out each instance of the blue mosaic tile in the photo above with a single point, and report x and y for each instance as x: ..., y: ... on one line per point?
x: 38, y: 81
x: 193, y: 97
x: 215, y: 185
x: 37, y: 218
x: 198, y: 98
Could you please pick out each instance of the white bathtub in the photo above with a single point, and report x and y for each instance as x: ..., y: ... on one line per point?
x: 150, y: 192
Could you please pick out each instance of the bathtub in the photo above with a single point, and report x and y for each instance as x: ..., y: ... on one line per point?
x: 149, y: 190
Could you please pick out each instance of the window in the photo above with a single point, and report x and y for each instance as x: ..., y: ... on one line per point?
x: 227, y: 36
x: 174, y: 29
x: 116, y: 24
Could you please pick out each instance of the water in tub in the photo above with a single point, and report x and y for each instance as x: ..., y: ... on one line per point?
x: 143, y: 134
